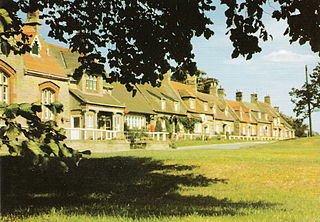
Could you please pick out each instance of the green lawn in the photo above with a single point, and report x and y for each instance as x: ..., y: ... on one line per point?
x: 271, y: 182
x: 183, y: 143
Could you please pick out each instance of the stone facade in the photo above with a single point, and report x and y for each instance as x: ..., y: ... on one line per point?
x: 92, y: 107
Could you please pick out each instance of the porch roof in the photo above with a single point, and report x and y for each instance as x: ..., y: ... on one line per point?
x: 103, y: 100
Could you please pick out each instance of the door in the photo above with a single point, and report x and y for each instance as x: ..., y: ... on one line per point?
x: 75, y: 131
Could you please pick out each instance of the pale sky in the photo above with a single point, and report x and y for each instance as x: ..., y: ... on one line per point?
x: 275, y: 71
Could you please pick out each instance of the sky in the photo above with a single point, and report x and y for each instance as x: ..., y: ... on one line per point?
x: 274, y: 71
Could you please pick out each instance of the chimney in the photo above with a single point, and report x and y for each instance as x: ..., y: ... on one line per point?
x: 276, y: 108
x: 239, y: 96
x: 192, y: 81
x: 267, y: 99
x: 213, y: 88
x: 33, y: 19
x: 254, y: 97
x: 221, y: 92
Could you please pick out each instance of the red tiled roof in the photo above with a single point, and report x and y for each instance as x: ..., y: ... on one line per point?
x: 245, y: 117
x: 42, y: 63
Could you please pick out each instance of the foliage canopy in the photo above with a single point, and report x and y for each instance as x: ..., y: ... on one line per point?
x: 308, y: 94
x: 144, y: 38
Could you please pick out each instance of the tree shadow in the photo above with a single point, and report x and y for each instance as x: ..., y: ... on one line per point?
x: 117, y: 186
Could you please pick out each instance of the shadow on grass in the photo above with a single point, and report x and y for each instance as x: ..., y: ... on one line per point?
x: 117, y: 186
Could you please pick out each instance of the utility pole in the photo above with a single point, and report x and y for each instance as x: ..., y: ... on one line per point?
x: 309, y: 108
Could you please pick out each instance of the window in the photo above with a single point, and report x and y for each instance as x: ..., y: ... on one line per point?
x: 89, y: 121
x: 35, y: 48
x: 217, y: 129
x: 192, y: 103
x: 135, y: 121
x: 253, y: 131
x: 47, y: 98
x: 214, y: 110
x: 176, y: 106
x: 4, y: 87
x: 197, y: 128
x: 205, y: 106
x: 117, y: 122
x: 163, y: 104
x: 259, y: 115
x: 244, y: 132
x: 91, y: 82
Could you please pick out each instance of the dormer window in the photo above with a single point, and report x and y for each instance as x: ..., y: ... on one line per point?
x: 91, y: 82
x: 176, y: 106
x: 226, y: 111
x: 259, y: 115
x: 214, y: 110
x: 266, y: 116
x: 163, y: 104
x: 192, y: 103
x: 205, y: 106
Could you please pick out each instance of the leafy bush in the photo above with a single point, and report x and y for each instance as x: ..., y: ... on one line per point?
x: 40, y: 141
x: 188, y: 123
x: 135, y: 135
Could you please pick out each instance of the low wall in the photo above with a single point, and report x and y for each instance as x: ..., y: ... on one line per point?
x: 100, y: 146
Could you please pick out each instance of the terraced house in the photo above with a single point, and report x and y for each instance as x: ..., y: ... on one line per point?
x: 96, y: 110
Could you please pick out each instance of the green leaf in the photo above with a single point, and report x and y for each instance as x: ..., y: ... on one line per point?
x: 15, y: 147
x: 33, y: 147
x: 12, y: 132
x: 64, y: 152
x: 54, y: 148
x: 11, y: 111
x: 36, y: 107
x: 5, y: 47
x: 55, y: 107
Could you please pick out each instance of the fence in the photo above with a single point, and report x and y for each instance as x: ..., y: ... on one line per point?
x: 96, y: 134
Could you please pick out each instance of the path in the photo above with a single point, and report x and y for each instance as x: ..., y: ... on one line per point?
x: 229, y: 146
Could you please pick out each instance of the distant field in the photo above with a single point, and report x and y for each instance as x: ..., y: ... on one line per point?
x: 273, y: 182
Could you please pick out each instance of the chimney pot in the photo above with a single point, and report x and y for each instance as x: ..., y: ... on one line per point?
x: 254, y: 97
x: 267, y: 99
x: 221, y: 92
x: 239, y: 96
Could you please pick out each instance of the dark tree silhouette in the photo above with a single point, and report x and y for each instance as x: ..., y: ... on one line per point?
x: 308, y: 97
x: 144, y: 37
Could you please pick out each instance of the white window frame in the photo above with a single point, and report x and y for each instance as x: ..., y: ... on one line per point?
x: 91, y: 82
x: 192, y: 103
x: 47, y: 97
x: 90, y: 120
x: 163, y: 104
x: 4, y: 87
x: 205, y: 106
x: 176, y: 106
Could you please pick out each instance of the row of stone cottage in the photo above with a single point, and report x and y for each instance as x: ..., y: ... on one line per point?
x: 97, y: 110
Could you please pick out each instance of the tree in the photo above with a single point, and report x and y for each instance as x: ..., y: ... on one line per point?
x: 308, y: 94
x: 296, y: 124
x: 146, y: 38
x: 41, y: 140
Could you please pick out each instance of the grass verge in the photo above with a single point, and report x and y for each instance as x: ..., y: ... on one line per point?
x: 271, y: 182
